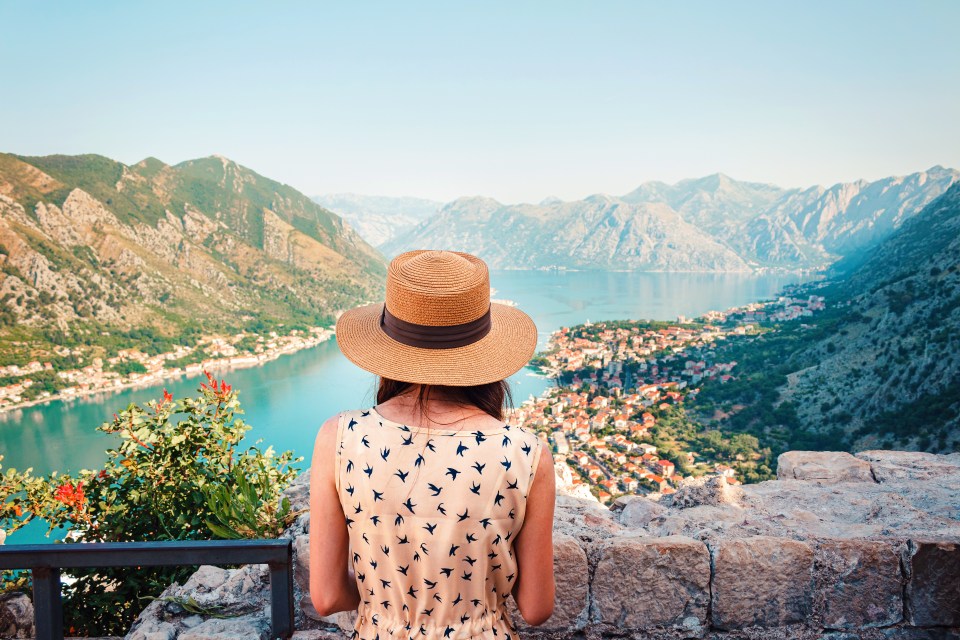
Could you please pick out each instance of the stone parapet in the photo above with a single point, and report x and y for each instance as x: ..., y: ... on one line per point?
x: 842, y: 547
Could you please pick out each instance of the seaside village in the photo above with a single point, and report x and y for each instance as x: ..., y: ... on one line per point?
x: 599, y: 423
x: 132, y: 368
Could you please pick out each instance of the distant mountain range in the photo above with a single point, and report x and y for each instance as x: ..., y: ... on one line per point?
x: 379, y: 219
x: 90, y: 246
x: 714, y: 223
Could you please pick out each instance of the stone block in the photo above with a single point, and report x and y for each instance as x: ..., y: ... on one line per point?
x: 911, y: 466
x: 640, y: 511
x: 933, y: 592
x: 761, y: 581
x: 823, y: 466
x: 859, y: 584
x: 572, y: 575
x: 647, y: 583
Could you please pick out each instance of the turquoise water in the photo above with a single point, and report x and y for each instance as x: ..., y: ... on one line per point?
x: 286, y: 400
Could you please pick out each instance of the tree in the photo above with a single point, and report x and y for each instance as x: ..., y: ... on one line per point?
x: 179, y: 473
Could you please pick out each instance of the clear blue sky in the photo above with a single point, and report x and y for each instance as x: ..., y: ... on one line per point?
x: 515, y: 100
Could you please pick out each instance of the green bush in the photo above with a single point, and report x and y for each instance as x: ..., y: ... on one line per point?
x: 179, y: 473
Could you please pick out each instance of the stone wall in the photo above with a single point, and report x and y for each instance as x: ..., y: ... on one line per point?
x: 839, y: 547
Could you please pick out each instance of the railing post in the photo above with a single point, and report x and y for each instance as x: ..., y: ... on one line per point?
x: 281, y: 598
x: 47, y: 605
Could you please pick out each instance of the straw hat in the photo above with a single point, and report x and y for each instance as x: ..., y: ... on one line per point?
x: 438, y: 325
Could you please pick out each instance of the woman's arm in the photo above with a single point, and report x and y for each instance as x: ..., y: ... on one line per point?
x: 534, y: 589
x: 332, y: 584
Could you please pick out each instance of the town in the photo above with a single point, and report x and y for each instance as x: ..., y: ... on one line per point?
x: 37, y: 382
x: 618, y: 381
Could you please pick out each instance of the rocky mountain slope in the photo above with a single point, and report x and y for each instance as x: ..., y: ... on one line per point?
x: 708, y: 224
x: 599, y: 232
x: 379, y: 219
x: 92, y: 247
x: 890, y: 372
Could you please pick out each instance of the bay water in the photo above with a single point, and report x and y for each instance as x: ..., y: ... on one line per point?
x: 286, y: 400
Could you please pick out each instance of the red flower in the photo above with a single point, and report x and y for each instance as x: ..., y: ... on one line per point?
x: 167, y: 397
x: 70, y: 495
x: 220, y: 390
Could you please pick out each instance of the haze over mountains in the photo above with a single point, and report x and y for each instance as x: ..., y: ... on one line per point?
x: 713, y: 223
x: 88, y: 243
x: 378, y: 219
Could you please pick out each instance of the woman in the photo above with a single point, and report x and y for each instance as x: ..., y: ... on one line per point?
x: 428, y: 510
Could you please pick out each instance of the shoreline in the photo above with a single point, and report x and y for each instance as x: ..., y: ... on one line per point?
x: 226, y: 363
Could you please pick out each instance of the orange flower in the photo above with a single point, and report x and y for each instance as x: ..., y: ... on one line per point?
x: 17, y: 511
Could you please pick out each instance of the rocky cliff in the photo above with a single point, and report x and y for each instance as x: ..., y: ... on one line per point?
x: 839, y: 547
x: 90, y: 244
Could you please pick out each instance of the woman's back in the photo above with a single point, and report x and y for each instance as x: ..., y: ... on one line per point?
x: 419, y: 508
x: 432, y: 515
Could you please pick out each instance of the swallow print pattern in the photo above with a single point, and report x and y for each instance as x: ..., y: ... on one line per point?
x: 432, y: 515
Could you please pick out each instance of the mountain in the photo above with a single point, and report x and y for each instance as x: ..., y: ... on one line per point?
x: 717, y: 203
x: 821, y: 224
x: 379, y: 219
x: 713, y: 223
x: 599, y: 232
x: 92, y: 247
x: 890, y: 372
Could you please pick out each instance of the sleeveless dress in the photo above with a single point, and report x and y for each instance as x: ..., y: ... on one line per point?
x: 432, y: 515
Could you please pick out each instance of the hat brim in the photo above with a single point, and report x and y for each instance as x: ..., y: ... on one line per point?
x: 508, y: 346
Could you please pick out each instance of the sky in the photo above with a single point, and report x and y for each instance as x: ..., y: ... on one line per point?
x: 512, y: 100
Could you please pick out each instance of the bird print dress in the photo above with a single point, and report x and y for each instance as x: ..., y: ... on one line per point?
x: 432, y: 515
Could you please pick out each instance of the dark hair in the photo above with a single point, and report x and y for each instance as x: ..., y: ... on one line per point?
x: 491, y: 398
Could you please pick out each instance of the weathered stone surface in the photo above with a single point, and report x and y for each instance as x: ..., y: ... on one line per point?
x: 712, y: 491
x: 906, y: 633
x: 149, y: 627
x: 571, y: 573
x: 643, y: 583
x: 246, y: 628
x: 911, y: 466
x: 585, y: 520
x: 301, y: 561
x: 638, y: 513
x: 317, y: 634
x: 822, y: 466
x: 299, y: 492
x: 16, y: 616
x: 859, y: 584
x: 933, y: 593
x: 761, y: 581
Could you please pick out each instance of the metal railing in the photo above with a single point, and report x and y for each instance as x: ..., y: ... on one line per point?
x: 46, y: 560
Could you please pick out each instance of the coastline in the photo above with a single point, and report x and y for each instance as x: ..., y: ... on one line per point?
x: 226, y: 363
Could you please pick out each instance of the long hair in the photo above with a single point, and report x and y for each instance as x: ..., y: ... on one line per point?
x: 491, y: 398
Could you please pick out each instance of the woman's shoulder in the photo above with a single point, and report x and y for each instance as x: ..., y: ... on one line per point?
x: 331, y: 426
